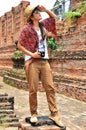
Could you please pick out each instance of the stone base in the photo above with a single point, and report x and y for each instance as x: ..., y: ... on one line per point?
x: 44, y: 123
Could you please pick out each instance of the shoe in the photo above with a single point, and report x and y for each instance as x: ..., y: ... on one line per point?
x: 33, y: 118
x: 57, y: 121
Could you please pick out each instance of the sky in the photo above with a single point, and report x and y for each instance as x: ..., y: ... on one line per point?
x: 6, y: 5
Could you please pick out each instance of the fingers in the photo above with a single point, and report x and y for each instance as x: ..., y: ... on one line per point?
x: 41, y: 8
x: 36, y: 55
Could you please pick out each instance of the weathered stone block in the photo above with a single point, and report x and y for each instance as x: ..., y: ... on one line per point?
x: 44, y: 123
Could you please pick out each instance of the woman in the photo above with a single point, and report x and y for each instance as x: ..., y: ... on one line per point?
x: 32, y: 41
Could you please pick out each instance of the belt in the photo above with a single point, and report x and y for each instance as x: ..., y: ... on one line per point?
x: 39, y: 59
x: 44, y: 59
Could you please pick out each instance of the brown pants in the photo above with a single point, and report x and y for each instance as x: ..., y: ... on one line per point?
x: 40, y: 68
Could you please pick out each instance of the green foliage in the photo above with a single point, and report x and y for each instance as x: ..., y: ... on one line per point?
x: 16, y: 73
x: 81, y: 7
x: 51, y: 43
x: 11, y: 83
x: 19, y: 72
x: 72, y: 15
x: 1, y: 86
x: 18, y: 55
x: 2, y: 127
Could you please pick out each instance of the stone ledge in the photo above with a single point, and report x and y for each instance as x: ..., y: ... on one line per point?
x: 44, y: 123
x: 19, y: 83
x: 69, y: 89
x: 10, y: 124
x: 68, y: 55
x: 22, y: 127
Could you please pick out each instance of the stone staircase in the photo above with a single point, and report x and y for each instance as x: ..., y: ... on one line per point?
x: 7, y: 116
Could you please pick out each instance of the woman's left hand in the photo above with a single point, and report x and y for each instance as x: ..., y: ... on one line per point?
x: 50, y: 34
x: 41, y: 8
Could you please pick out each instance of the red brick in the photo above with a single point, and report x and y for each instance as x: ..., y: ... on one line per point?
x: 22, y: 127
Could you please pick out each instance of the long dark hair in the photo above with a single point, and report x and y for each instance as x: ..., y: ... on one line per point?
x: 42, y: 31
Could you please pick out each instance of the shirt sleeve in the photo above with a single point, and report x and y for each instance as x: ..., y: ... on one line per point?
x: 22, y: 37
x: 49, y: 24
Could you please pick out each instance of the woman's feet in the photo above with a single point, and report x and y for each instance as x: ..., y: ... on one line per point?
x: 33, y: 118
x: 56, y: 120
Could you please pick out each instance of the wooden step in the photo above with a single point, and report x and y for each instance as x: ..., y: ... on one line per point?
x: 7, y: 119
x: 6, y: 99
x: 6, y: 111
x: 6, y: 106
x: 4, y: 94
x: 7, y: 115
x: 10, y: 124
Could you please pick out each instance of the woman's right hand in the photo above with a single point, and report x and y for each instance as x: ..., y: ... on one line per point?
x: 36, y: 55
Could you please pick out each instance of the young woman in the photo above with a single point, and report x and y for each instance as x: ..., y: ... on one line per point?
x: 32, y: 41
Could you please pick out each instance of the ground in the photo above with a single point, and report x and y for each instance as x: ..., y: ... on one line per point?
x: 72, y: 111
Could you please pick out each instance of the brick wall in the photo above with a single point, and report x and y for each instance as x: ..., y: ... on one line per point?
x: 6, y: 54
x: 11, y: 23
x: 69, y: 64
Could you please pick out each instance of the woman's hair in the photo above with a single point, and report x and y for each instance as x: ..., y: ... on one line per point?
x: 42, y: 31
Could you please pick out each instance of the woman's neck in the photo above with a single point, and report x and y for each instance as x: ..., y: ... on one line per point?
x: 36, y: 25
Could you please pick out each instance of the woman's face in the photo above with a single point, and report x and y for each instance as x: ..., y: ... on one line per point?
x: 36, y: 15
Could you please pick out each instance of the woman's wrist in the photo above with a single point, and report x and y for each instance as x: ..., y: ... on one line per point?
x: 50, y: 13
x: 31, y: 54
x: 46, y: 10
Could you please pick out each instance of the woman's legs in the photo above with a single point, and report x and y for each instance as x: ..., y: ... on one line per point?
x: 32, y: 72
x: 47, y: 80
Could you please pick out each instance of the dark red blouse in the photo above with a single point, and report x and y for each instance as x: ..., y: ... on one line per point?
x: 28, y: 36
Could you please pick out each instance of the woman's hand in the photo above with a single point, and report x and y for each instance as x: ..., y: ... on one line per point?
x: 36, y: 55
x: 50, y: 34
x: 41, y: 8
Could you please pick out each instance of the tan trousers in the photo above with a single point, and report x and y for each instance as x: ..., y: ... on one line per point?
x: 40, y: 68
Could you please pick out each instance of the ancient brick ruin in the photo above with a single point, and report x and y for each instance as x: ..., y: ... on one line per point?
x: 69, y: 65
x: 10, y: 24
